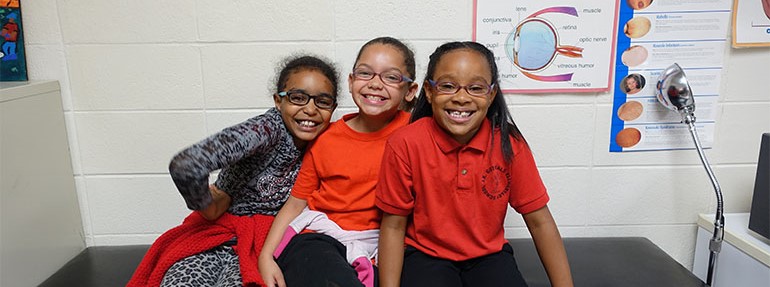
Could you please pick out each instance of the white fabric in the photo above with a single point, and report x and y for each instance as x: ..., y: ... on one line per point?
x: 358, y: 243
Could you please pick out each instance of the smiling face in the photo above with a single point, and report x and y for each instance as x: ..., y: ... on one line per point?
x: 460, y: 114
x: 631, y: 83
x: 375, y: 98
x: 305, y: 122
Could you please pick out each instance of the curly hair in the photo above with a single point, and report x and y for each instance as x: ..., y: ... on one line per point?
x: 293, y: 64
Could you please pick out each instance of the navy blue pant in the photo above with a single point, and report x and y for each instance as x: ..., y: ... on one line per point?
x: 314, y: 259
x: 497, y: 269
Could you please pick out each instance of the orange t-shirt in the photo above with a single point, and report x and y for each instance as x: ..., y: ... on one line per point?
x: 340, y: 171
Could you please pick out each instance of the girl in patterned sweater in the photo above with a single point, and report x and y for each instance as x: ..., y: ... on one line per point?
x: 259, y: 160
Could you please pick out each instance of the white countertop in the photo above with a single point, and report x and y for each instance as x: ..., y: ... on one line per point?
x: 14, y: 90
x: 737, y: 234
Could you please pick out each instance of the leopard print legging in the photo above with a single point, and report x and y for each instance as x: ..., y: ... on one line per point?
x: 216, y: 267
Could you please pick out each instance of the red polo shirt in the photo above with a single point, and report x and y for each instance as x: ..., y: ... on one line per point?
x: 457, y: 195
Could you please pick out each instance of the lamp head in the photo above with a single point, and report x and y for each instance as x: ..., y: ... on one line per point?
x: 673, y: 92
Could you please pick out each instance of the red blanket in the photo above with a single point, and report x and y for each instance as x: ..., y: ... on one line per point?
x: 195, y: 235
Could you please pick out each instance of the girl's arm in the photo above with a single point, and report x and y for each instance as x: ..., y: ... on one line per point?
x: 391, y: 249
x: 220, y: 204
x: 190, y: 168
x: 268, y: 268
x: 549, y: 246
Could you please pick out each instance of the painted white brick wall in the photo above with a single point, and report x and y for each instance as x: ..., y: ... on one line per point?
x: 135, y: 77
x: 143, y: 79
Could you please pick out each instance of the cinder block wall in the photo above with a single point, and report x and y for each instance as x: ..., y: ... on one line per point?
x: 143, y: 79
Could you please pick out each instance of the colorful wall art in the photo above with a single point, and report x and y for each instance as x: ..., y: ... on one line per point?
x: 13, y: 64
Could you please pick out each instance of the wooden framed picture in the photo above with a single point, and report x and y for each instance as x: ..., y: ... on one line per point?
x: 13, y: 64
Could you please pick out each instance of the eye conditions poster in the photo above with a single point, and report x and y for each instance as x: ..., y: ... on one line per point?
x: 652, y: 35
x: 549, y: 46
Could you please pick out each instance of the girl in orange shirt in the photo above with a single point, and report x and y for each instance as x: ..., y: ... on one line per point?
x: 339, y: 174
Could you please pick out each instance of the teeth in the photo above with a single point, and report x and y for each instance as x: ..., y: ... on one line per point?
x: 460, y: 114
x: 306, y: 123
x: 374, y: 98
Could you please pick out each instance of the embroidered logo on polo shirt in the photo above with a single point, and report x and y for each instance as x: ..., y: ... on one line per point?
x: 496, y: 182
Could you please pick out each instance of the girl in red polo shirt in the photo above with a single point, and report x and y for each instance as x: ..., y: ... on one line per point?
x: 338, y: 178
x: 448, y: 178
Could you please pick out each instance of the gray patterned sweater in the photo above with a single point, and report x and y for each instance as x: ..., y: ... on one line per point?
x: 259, y: 163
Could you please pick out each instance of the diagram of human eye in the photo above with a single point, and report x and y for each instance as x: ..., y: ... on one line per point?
x: 533, y: 45
x: 549, y: 46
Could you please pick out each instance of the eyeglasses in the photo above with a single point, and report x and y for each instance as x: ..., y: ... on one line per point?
x: 389, y: 77
x: 301, y: 98
x: 451, y: 88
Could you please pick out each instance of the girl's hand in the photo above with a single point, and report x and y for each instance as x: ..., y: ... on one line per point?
x: 269, y: 270
x: 392, y: 232
x: 271, y: 273
x: 549, y: 246
x: 219, y: 205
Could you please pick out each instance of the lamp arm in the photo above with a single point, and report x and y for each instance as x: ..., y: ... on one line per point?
x: 715, y: 245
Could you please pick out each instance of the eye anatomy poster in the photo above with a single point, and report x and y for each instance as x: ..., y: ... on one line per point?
x: 653, y: 35
x: 549, y: 46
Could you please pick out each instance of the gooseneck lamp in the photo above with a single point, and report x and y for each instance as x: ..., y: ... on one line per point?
x: 673, y: 91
